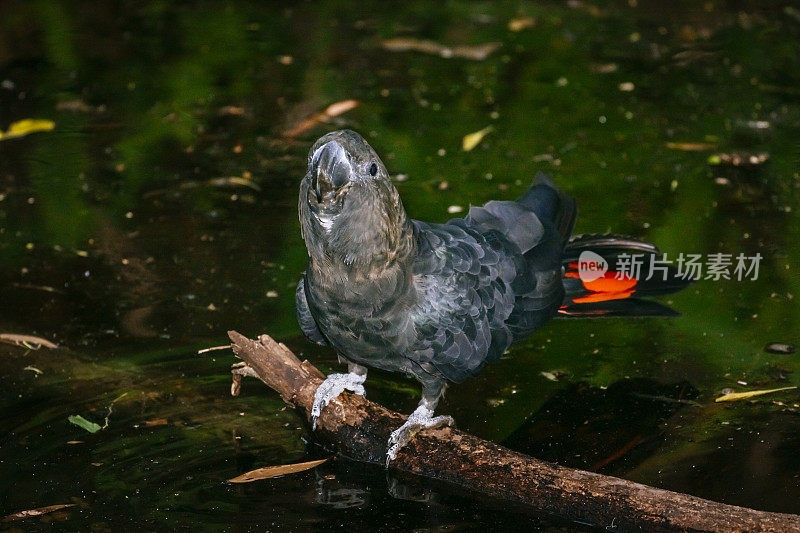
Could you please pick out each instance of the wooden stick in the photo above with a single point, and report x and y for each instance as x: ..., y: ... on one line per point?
x: 360, y: 429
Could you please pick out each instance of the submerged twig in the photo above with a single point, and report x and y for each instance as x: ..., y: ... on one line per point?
x: 111, y: 409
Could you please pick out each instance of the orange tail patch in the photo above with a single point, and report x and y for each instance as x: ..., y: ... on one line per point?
x: 610, y: 286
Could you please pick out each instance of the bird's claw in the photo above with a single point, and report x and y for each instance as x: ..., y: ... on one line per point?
x: 332, y: 387
x: 420, y: 419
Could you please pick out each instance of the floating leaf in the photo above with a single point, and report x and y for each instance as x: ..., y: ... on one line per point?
x: 275, y: 471
x: 333, y: 110
x: 81, y: 422
x: 521, y: 23
x: 79, y: 106
x: 231, y: 111
x: 554, y: 375
x: 472, y: 140
x: 604, y: 68
x: 26, y: 126
x: 36, y: 512
x: 28, y: 341
x: 779, y: 347
x: 690, y: 146
x: 233, y: 181
x: 410, y: 44
x: 733, y: 396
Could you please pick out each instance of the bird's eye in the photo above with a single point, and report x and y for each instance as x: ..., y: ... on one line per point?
x: 373, y: 169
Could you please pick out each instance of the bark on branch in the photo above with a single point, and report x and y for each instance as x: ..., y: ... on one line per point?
x: 360, y: 429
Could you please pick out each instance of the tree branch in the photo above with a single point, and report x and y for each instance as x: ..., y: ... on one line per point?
x: 360, y: 429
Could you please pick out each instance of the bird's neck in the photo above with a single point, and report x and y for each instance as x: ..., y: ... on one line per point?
x: 376, y: 252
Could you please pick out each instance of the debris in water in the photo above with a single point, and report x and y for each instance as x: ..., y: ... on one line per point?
x: 275, y: 471
x: 36, y: 512
x: 111, y: 409
x: 230, y: 110
x: 604, y: 68
x: 333, y: 110
x: 156, y: 422
x: 81, y: 422
x: 690, y: 146
x: 779, y: 348
x: 472, y: 140
x: 28, y: 341
x: 78, y: 106
x: 214, y: 348
x: 739, y: 160
x: 411, y: 44
x: 733, y: 396
x: 26, y: 126
x: 521, y: 23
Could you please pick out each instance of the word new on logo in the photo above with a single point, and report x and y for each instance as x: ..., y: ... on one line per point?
x: 591, y: 266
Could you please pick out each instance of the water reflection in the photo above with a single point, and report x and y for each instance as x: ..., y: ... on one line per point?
x: 596, y: 428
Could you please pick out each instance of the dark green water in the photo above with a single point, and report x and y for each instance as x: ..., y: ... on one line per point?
x: 116, y: 243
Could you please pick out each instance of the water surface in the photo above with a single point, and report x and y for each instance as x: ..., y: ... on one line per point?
x: 160, y: 212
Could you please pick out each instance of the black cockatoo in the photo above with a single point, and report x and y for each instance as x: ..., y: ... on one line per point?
x: 435, y: 301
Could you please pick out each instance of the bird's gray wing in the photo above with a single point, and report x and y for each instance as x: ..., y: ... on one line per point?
x: 538, y: 225
x: 304, y: 317
x: 512, y: 220
x: 463, y: 278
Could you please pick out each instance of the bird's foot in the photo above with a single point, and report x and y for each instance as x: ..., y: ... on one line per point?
x: 421, y: 418
x: 332, y: 387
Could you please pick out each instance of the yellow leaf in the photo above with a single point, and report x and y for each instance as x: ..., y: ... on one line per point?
x: 521, y: 23
x: 733, y: 396
x: 690, y: 146
x: 29, y: 125
x: 274, y: 471
x: 472, y: 140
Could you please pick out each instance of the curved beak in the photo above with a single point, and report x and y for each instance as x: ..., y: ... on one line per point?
x: 330, y: 169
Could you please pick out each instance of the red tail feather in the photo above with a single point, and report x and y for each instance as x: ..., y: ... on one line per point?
x: 609, y: 286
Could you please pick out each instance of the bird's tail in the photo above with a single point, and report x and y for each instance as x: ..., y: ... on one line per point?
x: 551, y: 204
x: 609, y: 275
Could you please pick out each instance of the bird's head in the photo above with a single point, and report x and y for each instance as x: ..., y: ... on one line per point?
x: 349, y: 209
